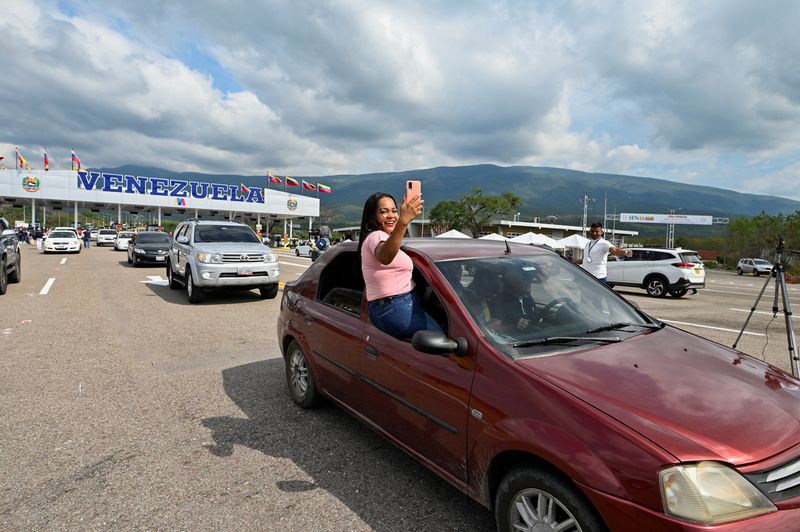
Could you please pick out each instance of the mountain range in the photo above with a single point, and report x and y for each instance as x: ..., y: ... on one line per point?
x: 544, y: 191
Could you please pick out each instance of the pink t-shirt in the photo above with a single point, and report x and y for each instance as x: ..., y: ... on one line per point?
x: 384, y: 280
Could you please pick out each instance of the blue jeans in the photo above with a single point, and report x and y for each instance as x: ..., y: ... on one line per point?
x: 401, y: 316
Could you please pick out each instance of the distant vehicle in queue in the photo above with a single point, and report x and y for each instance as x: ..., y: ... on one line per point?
x: 149, y: 247
x: 105, y: 237
x: 123, y: 239
x: 549, y: 398
x: 754, y: 266
x: 66, y: 241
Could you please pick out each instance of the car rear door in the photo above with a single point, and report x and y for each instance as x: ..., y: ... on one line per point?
x: 421, y: 400
x: 637, y: 266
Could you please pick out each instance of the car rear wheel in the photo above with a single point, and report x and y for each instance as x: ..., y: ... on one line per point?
x: 678, y: 293
x: 3, y: 278
x: 756, y: 273
x: 171, y: 277
x: 194, y: 293
x: 531, y: 498
x: 302, y: 387
x: 269, y: 292
x: 16, y: 275
x: 739, y: 271
x: 656, y: 286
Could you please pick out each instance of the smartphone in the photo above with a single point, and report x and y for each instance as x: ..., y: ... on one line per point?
x: 413, y: 188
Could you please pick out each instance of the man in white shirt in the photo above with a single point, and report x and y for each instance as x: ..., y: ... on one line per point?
x: 595, y: 254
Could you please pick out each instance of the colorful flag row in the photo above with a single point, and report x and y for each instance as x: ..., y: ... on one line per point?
x: 22, y: 162
x: 292, y: 182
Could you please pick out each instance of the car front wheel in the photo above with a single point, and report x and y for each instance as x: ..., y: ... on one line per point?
x: 171, y: 277
x: 194, y: 293
x: 269, y: 292
x: 16, y: 275
x: 3, y: 278
x: 757, y: 273
x: 656, y: 287
x: 739, y: 271
x: 299, y: 377
x: 531, y: 498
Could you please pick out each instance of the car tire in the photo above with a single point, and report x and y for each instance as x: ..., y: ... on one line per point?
x: 300, y: 378
x: 171, y: 277
x: 296, y: 252
x: 678, y: 293
x: 16, y: 275
x: 269, y: 292
x: 194, y: 293
x: 757, y: 273
x: 3, y: 278
x: 656, y: 286
x: 526, y: 490
x: 739, y: 271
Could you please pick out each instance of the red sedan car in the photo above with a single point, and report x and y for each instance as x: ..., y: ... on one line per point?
x: 548, y: 398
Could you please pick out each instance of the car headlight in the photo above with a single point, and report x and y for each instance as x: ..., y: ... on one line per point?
x: 210, y: 258
x: 140, y: 251
x: 710, y: 493
x: 270, y: 257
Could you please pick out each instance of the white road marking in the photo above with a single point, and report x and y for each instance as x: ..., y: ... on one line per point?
x: 295, y: 264
x: 156, y: 279
x: 7, y: 331
x: 46, y: 287
x: 709, y: 327
x: 64, y: 260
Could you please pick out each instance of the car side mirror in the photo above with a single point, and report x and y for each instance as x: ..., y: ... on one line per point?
x: 183, y: 239
x: 437, y: 343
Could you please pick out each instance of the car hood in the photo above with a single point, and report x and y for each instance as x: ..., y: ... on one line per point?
x: 692, y: 397
x: 232, y: 247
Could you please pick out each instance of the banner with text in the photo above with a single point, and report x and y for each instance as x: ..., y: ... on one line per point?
x: 688, y: 219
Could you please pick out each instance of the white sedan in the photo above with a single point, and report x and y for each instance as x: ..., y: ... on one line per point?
x: 58, y: 241
x: 122, y: 240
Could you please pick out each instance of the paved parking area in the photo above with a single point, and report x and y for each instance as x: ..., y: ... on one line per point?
x: 123, y: 406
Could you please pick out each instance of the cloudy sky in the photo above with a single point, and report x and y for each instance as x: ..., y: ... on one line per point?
x: 697, y: 92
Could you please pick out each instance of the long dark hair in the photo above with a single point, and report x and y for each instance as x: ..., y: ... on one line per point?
x: 368, y: 222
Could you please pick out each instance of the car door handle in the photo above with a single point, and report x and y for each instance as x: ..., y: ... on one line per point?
x: 371, y: 351
x: 308, y: 319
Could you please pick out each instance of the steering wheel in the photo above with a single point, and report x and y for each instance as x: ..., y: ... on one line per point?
x: 559, y: 301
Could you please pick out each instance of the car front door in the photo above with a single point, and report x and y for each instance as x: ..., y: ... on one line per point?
x: 420, y: 399
x: 178, y: 251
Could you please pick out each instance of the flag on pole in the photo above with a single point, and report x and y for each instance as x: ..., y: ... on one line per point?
x: 46, y: 161
x: 308, y: 186
x: 325, y: 189
x: 274, y: 179
x: 181, y: 202
x: 76, y: 163
x: 292, y: 182
x: 21, y: 162
x: 245, y: 189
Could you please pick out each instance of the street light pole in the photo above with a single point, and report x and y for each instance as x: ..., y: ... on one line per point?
x: 605, y: 201
x: 586, y: 200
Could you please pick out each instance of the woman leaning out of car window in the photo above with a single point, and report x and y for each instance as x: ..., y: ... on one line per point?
x: 393, y: 307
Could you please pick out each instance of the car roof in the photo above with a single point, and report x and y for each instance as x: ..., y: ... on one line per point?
x: 215, y: 222
x: 437, y: 249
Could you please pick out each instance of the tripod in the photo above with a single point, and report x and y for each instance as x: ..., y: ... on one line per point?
x: 778, y: 274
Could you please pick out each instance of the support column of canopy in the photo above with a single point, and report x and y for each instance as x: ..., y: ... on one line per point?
x: 33, y: 212
x: 159, y: 215
x: 119, y: 213
x: 75, y: 214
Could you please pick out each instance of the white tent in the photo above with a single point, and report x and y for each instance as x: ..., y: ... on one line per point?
x: 574, y: 241
x: 492, y: 236
x: 452, y: 233
x: 537, y: 240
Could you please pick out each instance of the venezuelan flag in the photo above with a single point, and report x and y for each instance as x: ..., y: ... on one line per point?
x: 76, y: 163
x: 46, y: 162
x: 21, y: 160
x: 325, y: 189
x: 292, y: 182
x: 273, y: 179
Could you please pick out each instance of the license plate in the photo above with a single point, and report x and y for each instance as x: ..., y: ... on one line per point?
x: 698, y: 271
x: 243, y: 270
x: 161, y: 258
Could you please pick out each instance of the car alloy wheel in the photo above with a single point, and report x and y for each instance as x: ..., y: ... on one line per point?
x: 299, y: 377
x: 656, y: 287
x: 739, y: 271
x: 16, y: 275
x: 194, y: 293
x: 534, y: 499
x: 3, y: 278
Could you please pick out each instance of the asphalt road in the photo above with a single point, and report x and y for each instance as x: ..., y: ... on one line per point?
x: 123, y: 406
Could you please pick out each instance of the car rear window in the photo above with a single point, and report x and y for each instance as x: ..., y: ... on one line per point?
x: 693, y: 258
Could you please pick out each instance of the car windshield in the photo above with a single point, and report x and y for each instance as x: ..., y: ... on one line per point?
x: 224, y: 233
x: 62, y: 234
x: 107, y: 232
x: 692, y: 258
x: 762, y: 262
x: 125, y: 235
x: 152, y: 238
x: 535, y: 305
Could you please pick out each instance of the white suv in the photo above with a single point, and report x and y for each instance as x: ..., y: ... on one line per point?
x: 659, y: 271
x: 106, y: 237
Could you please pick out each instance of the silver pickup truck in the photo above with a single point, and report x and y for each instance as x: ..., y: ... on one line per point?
x: 208, y: 255
x: 10, y: 258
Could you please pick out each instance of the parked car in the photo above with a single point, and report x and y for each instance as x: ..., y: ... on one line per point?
x: 10, y: 256
x: 149, y: 247
x: 659, y: 271
x: 105, y: 237
x: 62, y: 240
x: 754, y: 266
x: 123, y: 239
x: 594, y: 417
x: 207, y: 255
x: 303, y: 250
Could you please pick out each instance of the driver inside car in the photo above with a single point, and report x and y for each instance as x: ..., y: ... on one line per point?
x: 513, y: 309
